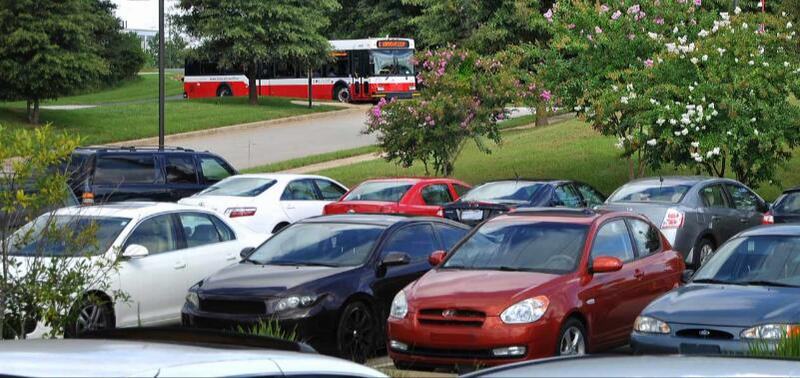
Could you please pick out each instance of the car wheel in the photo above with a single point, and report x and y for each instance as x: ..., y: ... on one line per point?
x: 572, y: 340
x: 224, y: 91
x: 703, y: 252
x: 94, y: 314
x: 357, y: 332
x: 342, y: 94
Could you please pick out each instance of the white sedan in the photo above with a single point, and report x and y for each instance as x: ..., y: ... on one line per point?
x: 166, y: 248
x: 266, y: 203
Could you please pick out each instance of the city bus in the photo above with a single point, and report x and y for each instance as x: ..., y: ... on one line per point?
x: 359, y: 70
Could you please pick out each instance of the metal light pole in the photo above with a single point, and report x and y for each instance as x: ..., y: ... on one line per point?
x: 161, y: 93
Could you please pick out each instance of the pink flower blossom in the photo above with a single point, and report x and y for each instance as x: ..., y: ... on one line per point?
x: 571, y: 26
x: 648, y: 63
x: 616, y: 15
x: 634, y: 9
x: 546, y: 95
x: 603, y: 8
x: 598, y: 30
x: 659, y: 21
x: 549, y: 15
x: 698, y: 2
x: 631, y: 36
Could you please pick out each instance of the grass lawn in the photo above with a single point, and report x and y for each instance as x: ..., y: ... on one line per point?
x: 125, y: 122
x: 569, y: 150
x: 313, y: 159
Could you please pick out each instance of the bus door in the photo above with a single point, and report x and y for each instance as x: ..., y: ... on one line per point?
x: 359, y: 89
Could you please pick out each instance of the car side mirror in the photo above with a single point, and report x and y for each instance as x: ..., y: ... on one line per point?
x: 436, y: 258
x: 687, y: 275
x: 395, y: 259
x: 135, y: 251
x: 245, y: 253
x: 606, y: 264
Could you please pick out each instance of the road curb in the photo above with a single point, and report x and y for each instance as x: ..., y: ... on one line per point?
x: 169, y: 139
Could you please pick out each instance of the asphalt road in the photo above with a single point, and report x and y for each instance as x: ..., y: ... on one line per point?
x: 252, y: 147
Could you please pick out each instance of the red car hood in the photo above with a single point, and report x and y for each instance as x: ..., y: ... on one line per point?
x: 488, y: 291
x: 361, y: 207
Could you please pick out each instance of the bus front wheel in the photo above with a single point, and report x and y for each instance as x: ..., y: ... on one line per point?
x: 342, y: 93
x: 224, y: 91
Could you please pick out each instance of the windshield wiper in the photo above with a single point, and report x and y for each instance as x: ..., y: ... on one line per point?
x: 248, y: 260
x: 716, y: 281
x: 768, y: 283
x: 507, y: 268
x: 303, y: 263
x: 455, y: 267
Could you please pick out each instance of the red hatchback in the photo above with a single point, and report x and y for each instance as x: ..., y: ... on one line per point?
x: 530, y: 284
x: 411, y: 196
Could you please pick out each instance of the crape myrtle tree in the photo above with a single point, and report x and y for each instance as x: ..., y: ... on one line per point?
x: 43, y: 275
x: 243, y: 33
x: 681, y: 85
x: 48, y: 49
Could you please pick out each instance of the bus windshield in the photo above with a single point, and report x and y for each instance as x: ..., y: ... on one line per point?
x: 387, y: 62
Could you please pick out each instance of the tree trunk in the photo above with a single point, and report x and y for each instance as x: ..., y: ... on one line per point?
x: 33, y: 116
x: 253, y: 83
x: 29, y: 109
x: 541, y: 115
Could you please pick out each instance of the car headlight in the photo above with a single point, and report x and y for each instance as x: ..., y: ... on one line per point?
x: 771, y: 331
x: 527, y: 311
x: 646, y: 324
x: 193, y: 299
x: 293, y: 302
x: 399, y: 306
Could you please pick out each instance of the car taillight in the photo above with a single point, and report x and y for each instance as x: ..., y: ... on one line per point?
x: 87, y: 198
x: 768, y: 218
x: 673, y: 219
x: 236, y: 212
x: 440, y: 213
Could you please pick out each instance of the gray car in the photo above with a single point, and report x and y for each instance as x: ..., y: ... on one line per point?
x: 696, y: 214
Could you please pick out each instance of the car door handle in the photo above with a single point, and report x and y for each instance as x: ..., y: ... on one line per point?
x: 290, y: 207
x: 179, y: 265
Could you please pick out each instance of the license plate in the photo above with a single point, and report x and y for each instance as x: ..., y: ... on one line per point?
x: 699, y: 349
x: 472, y: 215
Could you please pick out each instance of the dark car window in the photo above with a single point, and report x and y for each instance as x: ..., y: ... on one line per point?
x: 766, y: 259
x: 330, y: 191
x: 713, y: 196
x: 300, y: 190
x: 126, y: 169
x: 35, y: 239
x: 613, y: 240
x: 327, y: 244
x: 214, y: 170
x: 461, y: 190
x: 590, y: 195
x: 566, y: 195
x: 225, y: 232
x: 650, y: 192
x: 436, y: 195
x: 388, y: 191
x: 510, y: 192
x: 743, y: 199
x: 450, y: 235
x: 180, y: 170
x: 788, y: 203
x: 239, y: 187
x: 549, y: 247
x: 199, y: 230
x: 646, y: 237
x: 157, y: 234
x: 416, y: 240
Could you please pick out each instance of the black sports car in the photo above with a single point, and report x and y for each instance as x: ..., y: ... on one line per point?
x: 331, y: 279
x: 498, y: 197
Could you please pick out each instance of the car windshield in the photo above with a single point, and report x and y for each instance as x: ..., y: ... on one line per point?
x: 321, y: 244
x: 788, y: 203
x: 650, y: 192
x: 548, y: 247
x: 514, y: 192
x: 63, y: 235
x: 385, y: 191
x: 392, y: 62
x: 239, y: 187
x: 758, y: 260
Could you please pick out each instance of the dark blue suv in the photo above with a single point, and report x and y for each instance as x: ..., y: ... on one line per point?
x: 143, y: 174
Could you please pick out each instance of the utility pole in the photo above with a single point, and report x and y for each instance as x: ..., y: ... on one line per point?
x: 161, y: 93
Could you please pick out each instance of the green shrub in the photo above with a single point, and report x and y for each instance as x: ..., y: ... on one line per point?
x: 270, y: 328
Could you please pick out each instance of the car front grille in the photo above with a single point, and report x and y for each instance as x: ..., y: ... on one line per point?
x: 464, y: 354
x: 702, y: 333
x: 451, y: 317
x: 235, y: 307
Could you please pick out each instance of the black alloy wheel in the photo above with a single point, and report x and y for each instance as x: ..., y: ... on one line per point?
x: 357, y: 332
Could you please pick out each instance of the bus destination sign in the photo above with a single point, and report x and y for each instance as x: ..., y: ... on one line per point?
x: 392, y: 44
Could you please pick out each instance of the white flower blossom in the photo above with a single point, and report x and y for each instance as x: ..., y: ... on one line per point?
x: 703, y: 33
x: 744, y: 25
x: 751, y: 62
x: 695, y: 144
x: 653, y: 101
x: 714, y: 113
x: 624, y: 99
x: 673, y: 121
x: 684, y: 131
x: 786, y: 64
x: 753, y: 119
x: 755, y: 131
x: 716, y: 150
x: 789, y: 25
x: 652, y: 142
x: 578, y: 108
x: 729, y: 133
x: 694, y: 61
x: 677, y: 133
x: 653, y: 36
x: 737, y: 10
x: 765, y: 64
x: 721, y: 51
x: 705, y: 58
x: 614, y: 88
x: 698, y: 159
x: 709, y: 154
x: 736, y: 60
x: 724, y: 15
x: 660, y: 121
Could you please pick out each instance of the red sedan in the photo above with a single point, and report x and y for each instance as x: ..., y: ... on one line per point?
x: 411, y: 196
x: 530, y: 284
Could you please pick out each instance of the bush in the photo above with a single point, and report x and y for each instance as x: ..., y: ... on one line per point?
x: 269, y: 328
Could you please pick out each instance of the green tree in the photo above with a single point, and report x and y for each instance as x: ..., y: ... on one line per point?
x: 47, y: 266
x: 47, y: 50
x: 176, y: 49
x: 365, y: 18
x: 122, y: 51
x: 244, y: 33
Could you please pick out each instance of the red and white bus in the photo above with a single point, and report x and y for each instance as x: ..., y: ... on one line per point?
x: 362, y: 70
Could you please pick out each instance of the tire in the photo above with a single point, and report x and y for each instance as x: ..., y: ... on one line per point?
x: 342, y: 94
x: 703, y: 251
x: 224, y: 91
x: 357, y: 332
x: 94, y: 314
x: 572, y: 339
x: 279, y: 227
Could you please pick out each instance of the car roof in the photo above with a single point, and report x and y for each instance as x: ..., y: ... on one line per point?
x: 126, y: 209
x: 278, y: 176
x: 531, y: 180
x: 679, y: 179
x: 384, y: 220
x: 560, y: 215
x: 114, y: 358
x: 773, y: 230
x: 644, y: 366
x: 415, y: 180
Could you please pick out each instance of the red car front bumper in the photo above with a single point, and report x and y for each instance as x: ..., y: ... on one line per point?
x: 459, y: 344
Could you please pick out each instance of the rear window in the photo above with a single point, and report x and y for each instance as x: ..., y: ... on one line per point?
x: 788, y: 203
x: 126, y: 169
x: 239, y: 187
x: 385, y: 191
x: 513, y: 192
x: 650, y: 192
